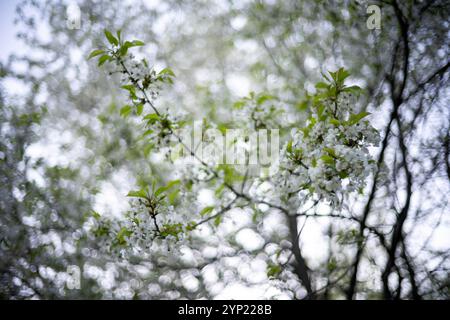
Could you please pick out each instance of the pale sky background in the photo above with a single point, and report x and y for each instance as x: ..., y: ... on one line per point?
x: 9, y: 41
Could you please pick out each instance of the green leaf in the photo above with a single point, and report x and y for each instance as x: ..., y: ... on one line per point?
x: 333, y: 75
x: 327, y: 159
x: 113, y: 40
x: 289, y: 147
x: 146, y: 133
x: 343, y: 174
x: 101, y: 231
x: 239, y: 104
x: 167, y: 71
x: 151, y: 118
x: 332, y: 265
x: 139, y: 109
x: 306, y: 131
x: 173, y: 196
x: 355, y: 118
x: 334, y: 121
x: 131, y: 89
x: 263, y: 98
x: 160, y: 190
x: 219, y: 190
x: 230, y: 174
x: 206, y: 210
x: 95, y: 53
x: 123, y: 50
x: 302, y: 106
x: 321, y: 85
x: 125, y: 111
x: 123, y: 232
x: 171, y: 229
x: 190, y: 226
x: 137, y: 43
x: 342, y: 74
x: 320, y: 110
x: 137, y: 194
x: 217, y: 220
x: 148, y: 148
x: 128, y: 44
x: 128, y: 87
x: 96, y: 215
x: 172, y: 183
x: 103, y: 59
x: 325, y: 76
x: 330, y: 151
x: 166, y: 187
x: 352, y: 89
x: 273, y: 270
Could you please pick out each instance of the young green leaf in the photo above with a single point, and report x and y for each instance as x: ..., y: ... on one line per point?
x: 139, y: 109
x: 146, y: 133
x: 335, y: 121
x: 263, y: 98
x: 113, y: 40
x: 167, y: 71
x: 273, y: 270
x: 160, y: 190
x: 151, y: 118
x: 173, y: 183
x: 95, y: 53
x: 321, y: 85
x: 103, y: 59
x: 206, y: 210
x: 289, y: 146
x: 303, y: 105
x: 122, y: 234
x: 355, y: 118
x: 137, y: 43
x: 342, y: 74
x: 125, y: 111
x: 128, y: 87
x: 137, y: 194
x: 352, y: 89
x: 325, y: 76
x: 96, y: 215
x: 327, y: 159
x: 239, y: 104
x: 217, y: 220
x: 166, y: 187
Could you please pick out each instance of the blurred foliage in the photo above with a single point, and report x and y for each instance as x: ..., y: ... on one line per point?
x: 278, y: 47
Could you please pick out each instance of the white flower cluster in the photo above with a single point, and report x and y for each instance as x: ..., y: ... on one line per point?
x: 137, y: 72
x: 144, y: 85
x: 330, y: 156
x: 139, y: 232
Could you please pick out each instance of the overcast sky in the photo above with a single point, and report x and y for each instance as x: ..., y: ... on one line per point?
x: 7, y: 14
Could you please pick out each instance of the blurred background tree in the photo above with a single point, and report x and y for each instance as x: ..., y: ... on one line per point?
x: 66, y: 150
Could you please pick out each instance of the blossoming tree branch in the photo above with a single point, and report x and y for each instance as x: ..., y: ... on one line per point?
x: 321, y: 161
